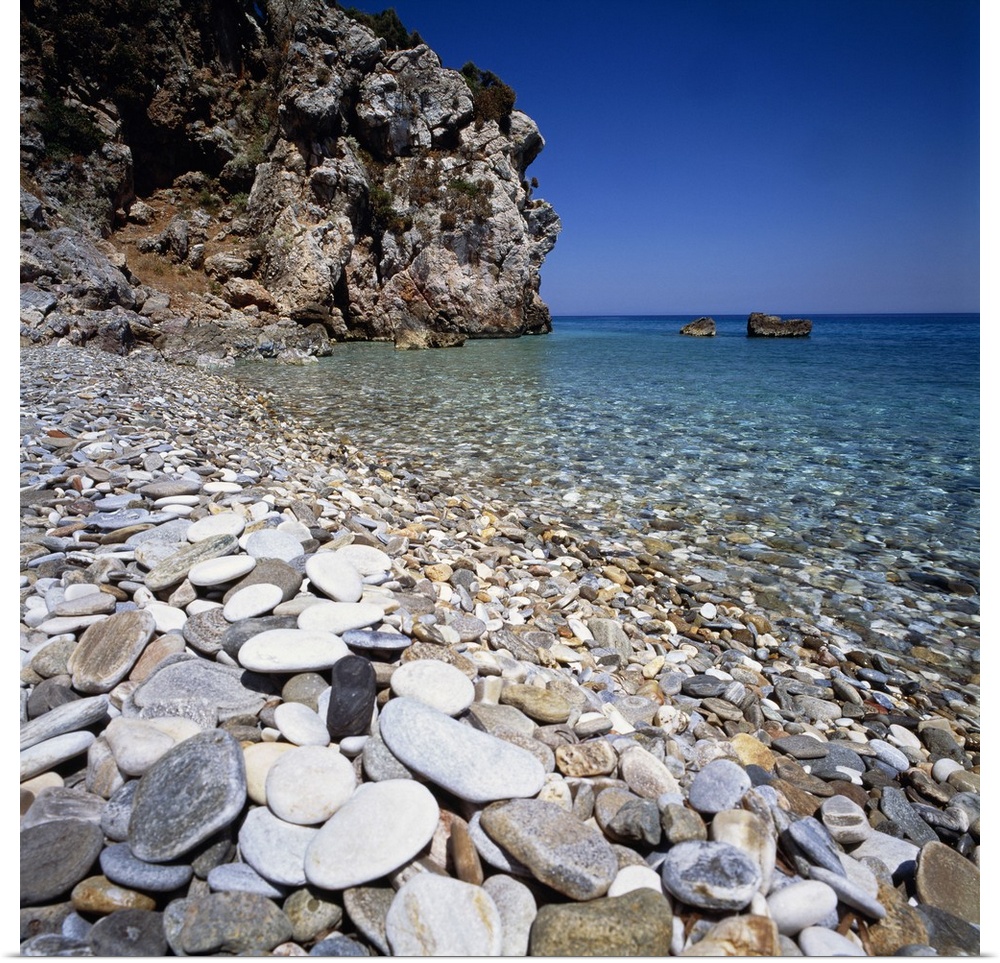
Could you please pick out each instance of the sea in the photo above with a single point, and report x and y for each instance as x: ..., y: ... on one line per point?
x: 842, y: 468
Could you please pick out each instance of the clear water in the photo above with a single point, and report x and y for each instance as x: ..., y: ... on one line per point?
x: 861, y: 441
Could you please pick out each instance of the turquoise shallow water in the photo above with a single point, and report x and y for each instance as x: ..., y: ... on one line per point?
x: 862, y: 439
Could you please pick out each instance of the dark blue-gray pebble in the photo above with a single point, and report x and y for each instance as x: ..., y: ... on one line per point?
x: 120, y: 866
x: 129, y: 932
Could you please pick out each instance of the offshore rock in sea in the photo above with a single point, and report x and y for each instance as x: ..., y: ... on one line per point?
x: 771, y: 326
x: 700, y: 328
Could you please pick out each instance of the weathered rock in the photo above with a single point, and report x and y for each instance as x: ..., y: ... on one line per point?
x: 700, y: 328
x: 771, y: 326
x: 639, y: 923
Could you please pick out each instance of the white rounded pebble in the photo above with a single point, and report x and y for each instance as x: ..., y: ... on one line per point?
x: 339, y: 617
x: 904, y: 738
x: 383, y: 825
x: 435, y: 915
x: 137, y: 744
x: 366, y: 559
x: 221, y: 488
x: 334, y: 577
x: 258, y: 758
x: 434, y: 683
x: 225, y: 523
x: 943, y: 768
x: 630, y: 878
x: 309, y: 784
x: 819, y: 941
x: 251, y: 601
x: 167, y: 617
x: 218, y: 571
x: 291, y: 650
x: 43, y: 756
x: 270, y: 543
x: 301, y: 725
x: 274, y: 848
x: 798, y: 905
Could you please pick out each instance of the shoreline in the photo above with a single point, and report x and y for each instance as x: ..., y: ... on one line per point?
x: 539, y: 584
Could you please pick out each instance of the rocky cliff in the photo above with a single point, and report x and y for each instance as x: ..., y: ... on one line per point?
x: 215, y: 179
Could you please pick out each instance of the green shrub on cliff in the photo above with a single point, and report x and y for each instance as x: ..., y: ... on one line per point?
x: 492, y: 99
x: 388, y: 26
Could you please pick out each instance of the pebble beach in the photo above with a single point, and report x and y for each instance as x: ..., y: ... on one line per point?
x: 281, y: 698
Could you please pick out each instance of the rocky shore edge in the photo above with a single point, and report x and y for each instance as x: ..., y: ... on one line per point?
x: 280, y: 699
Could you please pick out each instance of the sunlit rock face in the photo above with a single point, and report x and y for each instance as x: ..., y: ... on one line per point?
x: 280, y: 180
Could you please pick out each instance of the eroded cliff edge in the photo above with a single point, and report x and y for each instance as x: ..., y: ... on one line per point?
x: 217, y: 180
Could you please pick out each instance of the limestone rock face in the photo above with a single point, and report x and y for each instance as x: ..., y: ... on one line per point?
x: 700, y: 328
x: 280, y: 179
x: 771, y: 326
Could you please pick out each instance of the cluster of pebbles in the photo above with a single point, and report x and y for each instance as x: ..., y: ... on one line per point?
x: 277, y: 699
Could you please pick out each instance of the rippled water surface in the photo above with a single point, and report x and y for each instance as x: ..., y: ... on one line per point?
x: 865, y: 434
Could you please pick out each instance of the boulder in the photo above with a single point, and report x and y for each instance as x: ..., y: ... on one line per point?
x: 700, y: 328
x: 771, y: 326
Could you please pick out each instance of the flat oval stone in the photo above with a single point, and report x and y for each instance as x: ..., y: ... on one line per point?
x: 137, y: 744
x: 44, y: 756
x: 560, y: 850
x: 258, y: 758
x: 300, y: 725
x: 352, y: 697
x: 240, y: 923
x: 222, y: 523
x: 645, y: 774
x: 270, y: 543
x: 68, y: 717
x: 801, y: 904
x: 434, y: 683
x: 335, y: 577
x: 819, y: 941
x: 176, y: 566
x: 517, y: 908
x: 338, y: 617
x: 543, y: 705
x: 62, y: 802
x: 309, y: 784
x: 379, y: 642
x: 108, y: 649
x: 382, y: 826
x: 128, y: 932
x: 193, y: 679
x: 631, y: 878
x: 291, y: 650
x: 435, y: 915
x: 639, y: 923
x: 710, y: 875
x: 251, y: 601
x: 594, y: 758
x: 55, y: 856
x: 845, y: 820
x: 274, y: 848
x: 219, y: 571
x: 165, y: 487
x: 120, y: 866
x: 196, y: 789
x: 718, y: 786
x: 97, y: 894
x: 473, y: 765
x: 365, y: 559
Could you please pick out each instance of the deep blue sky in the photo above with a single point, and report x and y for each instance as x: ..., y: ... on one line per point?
x: 727, y: 156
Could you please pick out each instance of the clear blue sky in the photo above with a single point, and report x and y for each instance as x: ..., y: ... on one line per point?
x: 723, y: 156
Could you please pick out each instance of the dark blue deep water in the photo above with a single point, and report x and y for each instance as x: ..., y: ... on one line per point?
x: 861, y: 440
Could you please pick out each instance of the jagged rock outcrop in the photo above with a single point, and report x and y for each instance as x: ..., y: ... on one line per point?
x: 274, y: 167
x: 771, y: 326
x: 700, y: 328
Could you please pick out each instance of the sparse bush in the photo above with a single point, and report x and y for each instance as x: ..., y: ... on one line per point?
x: 388, y: 26
x: 448, y: 221
x: 67, y: 129
x: 492, y: 99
